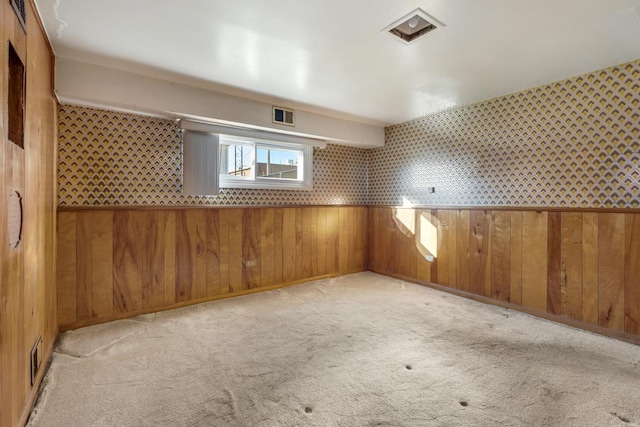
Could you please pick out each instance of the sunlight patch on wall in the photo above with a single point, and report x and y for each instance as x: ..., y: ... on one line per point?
x: 427, y: 237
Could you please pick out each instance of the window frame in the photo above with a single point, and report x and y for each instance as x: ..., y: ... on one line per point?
x: 266, y: 183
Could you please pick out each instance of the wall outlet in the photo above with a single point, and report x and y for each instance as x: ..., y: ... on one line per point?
x: 250, y: 263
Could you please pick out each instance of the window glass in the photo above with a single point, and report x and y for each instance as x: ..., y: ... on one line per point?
x: 278, y: 163
x: 253, y: 163
x: 236, y: 159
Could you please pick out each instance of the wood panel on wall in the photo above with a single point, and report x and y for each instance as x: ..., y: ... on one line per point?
x: 582, y: 266
x: 122, y: 262
x: 27, y: 272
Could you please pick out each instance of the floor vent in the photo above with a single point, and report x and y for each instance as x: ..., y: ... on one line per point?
x: 284, y: 116
x: 412, y: 26
x: 36, y: 358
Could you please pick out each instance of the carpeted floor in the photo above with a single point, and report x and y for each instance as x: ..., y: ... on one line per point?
x: 359, y: 350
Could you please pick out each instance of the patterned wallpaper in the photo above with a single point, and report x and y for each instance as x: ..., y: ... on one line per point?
x: 574, y: 143
x: 108, y: 158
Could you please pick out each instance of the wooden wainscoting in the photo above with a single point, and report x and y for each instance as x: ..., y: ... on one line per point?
x: 581, y: 268
x: 117, y: 263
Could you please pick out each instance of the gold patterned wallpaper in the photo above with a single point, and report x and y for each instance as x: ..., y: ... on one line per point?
x: 573, y: 143
x: 108, y: 158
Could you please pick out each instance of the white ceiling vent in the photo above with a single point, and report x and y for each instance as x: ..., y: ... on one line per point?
x: 284, y: 116
x: 412, y: 26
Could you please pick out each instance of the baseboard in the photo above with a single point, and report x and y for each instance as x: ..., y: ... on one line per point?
x: 130, y: 314
x: 596, y: 329
x: 35, y: 390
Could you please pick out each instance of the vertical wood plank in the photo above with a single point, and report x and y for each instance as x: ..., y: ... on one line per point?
x: 403, y: 239
x: 153, y: 271
x: 435, y: 221
x: 554, y: 245
x: 235, y: 221
x: 463, y: 238
x: 515, y: 289
x: 169, y: 251
x: 186, y: 246
x: 590, y: 257
x: 66, y: 267
x: 127, y: 260
x: 393, y: 252
x: 333, y: 230
x: 289, y: 244
x: 632, y: 275
x: 611, y: 242
x: 452, y: 255
x: 362, y: 238
x: 267, y: 247
x: 501, y: 255
x: 351, y: 240
x: 322, y: 240
x: 213, y: 252
x: 84, y: 308
x: 413, y: 249
x: 251, y: 248
x: 102, y: 263
x: 200, y: 219
x: 314, y: 241
x: 278, y: 221
x: 534, y: 256
x: 299, y: 245
x: 225, y: 270
x: 444, y: 259
x: 374, y: 238
x: 306, y: 242
x: 423, y: 226
x: 343, y: 240
x: 479, y: 258
x: 571, y: 266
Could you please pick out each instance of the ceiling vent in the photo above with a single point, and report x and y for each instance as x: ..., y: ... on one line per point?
x: 284, y: 116
x: 412, y: 26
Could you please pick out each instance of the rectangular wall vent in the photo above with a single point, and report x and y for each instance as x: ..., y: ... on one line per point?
x: 15, y: 103
x: 36, y: 358
x: 284, y: 116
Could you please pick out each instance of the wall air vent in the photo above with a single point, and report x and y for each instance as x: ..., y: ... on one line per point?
x: 412, y: 26
x: 284, y: 116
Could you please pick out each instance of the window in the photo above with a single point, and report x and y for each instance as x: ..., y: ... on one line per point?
x: 254, y: 163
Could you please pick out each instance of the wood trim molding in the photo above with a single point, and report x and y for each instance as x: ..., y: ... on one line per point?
x: 174, y: 208
x: 128, y: 315
x: 513, y: 208
x: 530, y: 311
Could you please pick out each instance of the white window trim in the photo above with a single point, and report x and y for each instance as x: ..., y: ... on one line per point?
x: 306, y: 183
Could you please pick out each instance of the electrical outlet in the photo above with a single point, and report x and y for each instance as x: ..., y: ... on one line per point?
x: 250, y: 263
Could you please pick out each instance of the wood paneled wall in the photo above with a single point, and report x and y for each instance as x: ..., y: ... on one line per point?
x: 122, y: 262
x: 27, y: 272
x: 583, y: 266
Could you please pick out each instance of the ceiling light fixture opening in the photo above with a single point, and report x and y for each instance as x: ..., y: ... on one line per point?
x: 413, y: 26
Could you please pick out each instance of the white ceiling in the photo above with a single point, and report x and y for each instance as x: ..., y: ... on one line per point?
x: 331, y: 56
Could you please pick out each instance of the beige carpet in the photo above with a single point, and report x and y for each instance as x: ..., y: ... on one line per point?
x: 360, y: 350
